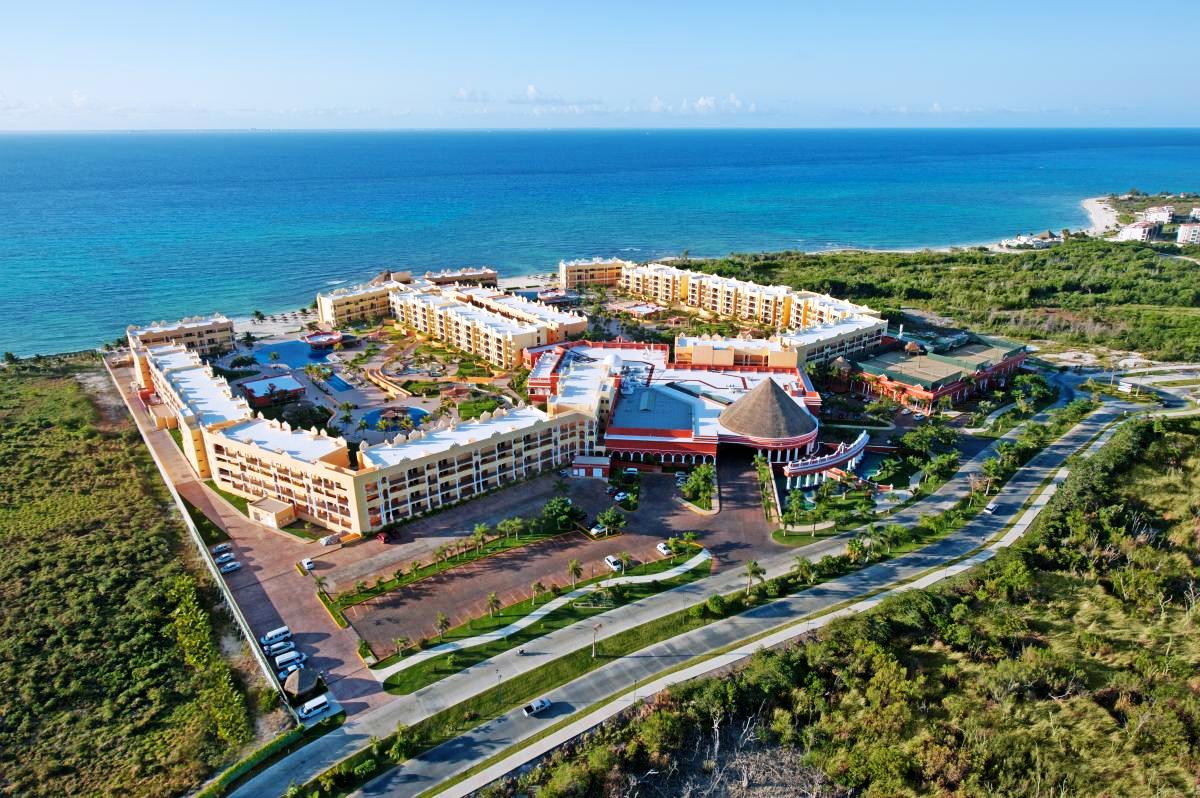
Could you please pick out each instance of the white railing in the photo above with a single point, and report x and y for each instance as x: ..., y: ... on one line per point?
x: 844, y: 452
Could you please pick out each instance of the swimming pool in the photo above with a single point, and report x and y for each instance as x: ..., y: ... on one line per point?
x: 337, y: 383
x: 415, y: 413
x: 296, y: 354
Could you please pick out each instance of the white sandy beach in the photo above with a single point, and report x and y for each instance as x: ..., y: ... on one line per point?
x: 1102, y: 215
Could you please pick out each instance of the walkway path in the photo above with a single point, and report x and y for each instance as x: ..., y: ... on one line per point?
x: 331, y: 748
x: 381, y: 674
x: 492, y: 738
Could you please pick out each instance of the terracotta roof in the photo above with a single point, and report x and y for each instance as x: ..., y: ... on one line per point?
x: 767, y: 412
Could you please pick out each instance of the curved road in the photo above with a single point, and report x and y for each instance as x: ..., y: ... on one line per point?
x: 485, y: 741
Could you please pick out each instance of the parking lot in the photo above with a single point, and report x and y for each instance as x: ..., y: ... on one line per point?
x: 736, y: 534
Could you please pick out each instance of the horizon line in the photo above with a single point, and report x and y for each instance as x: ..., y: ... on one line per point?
x: 596, y: 129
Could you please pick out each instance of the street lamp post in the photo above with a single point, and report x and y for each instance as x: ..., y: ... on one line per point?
x: 595, y: 629
x: 498, y: 685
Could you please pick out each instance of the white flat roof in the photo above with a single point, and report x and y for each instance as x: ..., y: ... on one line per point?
x: 440, y: 440
x: 206, y: 396
x: 469, y: 312
x: 269, y: 435
x: 283, y: 382
x: 182, y: 324
x: 364, y: 288
x: 731, y: 343
x: 820, y: 332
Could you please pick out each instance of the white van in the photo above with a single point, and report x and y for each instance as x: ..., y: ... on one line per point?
x: 283, y: 660
x: 991, y: 507
x: 313, y: 708
x: 282, y: 647
x: 275, y: 635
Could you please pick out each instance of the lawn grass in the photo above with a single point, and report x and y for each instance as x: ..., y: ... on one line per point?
x: 432, y: 670
x: 474, y: 408
x: 176, y: 436
x: 1176, y: 383
x: 211, y: 533
x: 422, y: 387
x: 242, y: 504
x: 262, y: 758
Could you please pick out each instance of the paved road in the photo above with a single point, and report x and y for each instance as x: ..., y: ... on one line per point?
x: 328, y: 750
x: 492, y: 738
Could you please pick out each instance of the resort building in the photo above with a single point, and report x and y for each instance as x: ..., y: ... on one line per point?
x: 369, y: 301
x: 559, y: 324
x: 180, y: 392
x: 920, y: 379
x: 710, y: 351
x: 1164, y: 214
x: 1138, y: 231
x: 270, y: 391
x: 474, y: 330
x: 573, y: 274
x: 205, y: 335
x: 1188, y: 234
x: 1195, y: 214
x: 470, y: 275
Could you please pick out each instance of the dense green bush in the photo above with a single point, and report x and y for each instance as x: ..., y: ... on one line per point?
x: 112, y: 684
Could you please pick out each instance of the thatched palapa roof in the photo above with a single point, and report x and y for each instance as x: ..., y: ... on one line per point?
x: 767, y: 412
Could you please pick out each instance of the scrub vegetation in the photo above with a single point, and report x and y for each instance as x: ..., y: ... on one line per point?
x: 1064, y: 666
x: 114, y: 683
x: 1125, y: 295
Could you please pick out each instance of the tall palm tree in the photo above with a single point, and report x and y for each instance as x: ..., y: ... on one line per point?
x: 400, y: 643
x: 479, y: 536
x: 538, y: 588
x: 754, y: 571
x: 855, y: 550
x: 320, y: 582
x: 493, y: 604
x: 442, y: 624
x: 574, y: 570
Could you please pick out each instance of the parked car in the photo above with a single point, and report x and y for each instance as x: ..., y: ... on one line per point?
x: 230, y: 567
x: 904, y: 411
x: 614, y: 564
x: 610, y: 490
x: 664, y: 549
x: 631, y: 472
x: 620, y: 497
x: 275, y: 635
x: 314, y: 707
x: 288, y: 670
x: 307, y: 564
x: 562, y: 472
x: 597, y: 530
x: 919, y: 416
x: 282, y: 647
x: 285, y: 659
x: 221, y: 548
x: 226, y: 557
x: 536, y: 706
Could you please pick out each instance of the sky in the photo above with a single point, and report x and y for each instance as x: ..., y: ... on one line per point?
x: 377, y: 64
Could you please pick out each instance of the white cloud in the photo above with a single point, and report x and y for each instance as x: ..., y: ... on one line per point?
x: 733, y: 102
x: 706, y: 104
x: 936, y: 108
x: 465, y: 95
x: 657, y: 106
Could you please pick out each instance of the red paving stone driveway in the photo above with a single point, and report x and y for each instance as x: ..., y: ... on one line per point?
x: 736, y: 534
x: 268, y: 589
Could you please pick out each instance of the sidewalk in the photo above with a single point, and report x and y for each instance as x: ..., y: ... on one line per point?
x: 328, y: 750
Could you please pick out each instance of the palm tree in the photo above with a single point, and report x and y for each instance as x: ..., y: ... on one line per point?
x: 493, y: 604
x: 626, y: 560
x: 804, y: 570
x: 479, y: 536
x: 273, y: 357
x: 320, y: 582
x: 259, y: 316
x: 753, y: 571
x: 400, y: 642
x: 855, y: 550
x: 574, y: 570
x: 442, y: 624
x: 538, y: 589
x: 690, y: 538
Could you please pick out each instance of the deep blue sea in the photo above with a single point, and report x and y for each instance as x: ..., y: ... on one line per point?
x: 100, y: 230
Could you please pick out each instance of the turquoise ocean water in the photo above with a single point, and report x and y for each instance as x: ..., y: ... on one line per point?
x: 100, y: 230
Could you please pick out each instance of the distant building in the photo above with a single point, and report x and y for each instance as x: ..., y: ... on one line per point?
x: 1188, y: 234
x: 274, y: 390
x: 360, y: 302
x: 1164, y: 214
x: 204, y: 335
x: 1042, y: 240
x: 470, y: 275
x: 577, y: 273
x: 1195, y: 214
x: 920, y: 379
x: 1138, y: 231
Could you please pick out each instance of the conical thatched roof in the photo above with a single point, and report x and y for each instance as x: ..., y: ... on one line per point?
x: 300, y: 682
x: 767, y: 412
